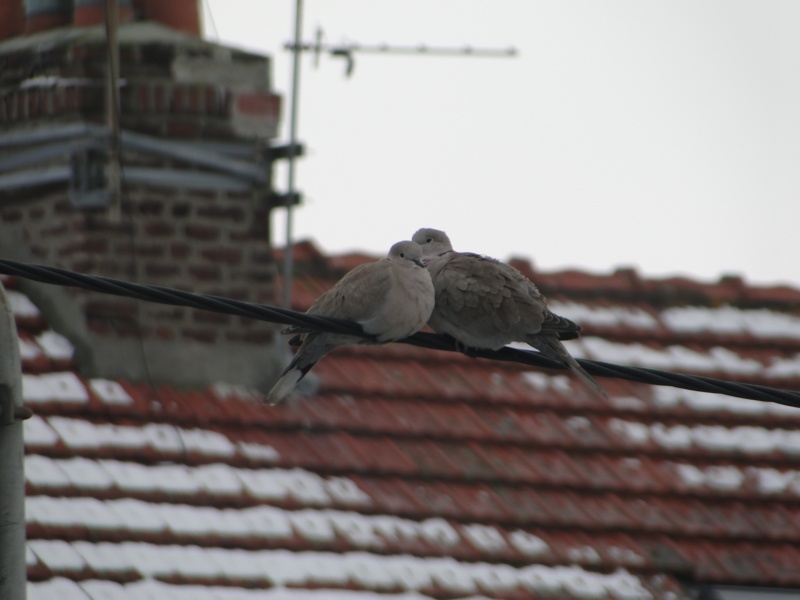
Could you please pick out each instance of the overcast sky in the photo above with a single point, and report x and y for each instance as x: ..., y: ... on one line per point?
x: 663, y: 135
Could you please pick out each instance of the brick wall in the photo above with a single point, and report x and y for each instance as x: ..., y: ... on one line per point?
x: 215, y: 243
x: 208, y: 241
x: 184, y: 89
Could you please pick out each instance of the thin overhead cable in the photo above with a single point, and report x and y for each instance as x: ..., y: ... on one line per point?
x: 284, y: 316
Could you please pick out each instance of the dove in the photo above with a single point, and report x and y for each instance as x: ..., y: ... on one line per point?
x: 484, y: 303
x: 391, y: 299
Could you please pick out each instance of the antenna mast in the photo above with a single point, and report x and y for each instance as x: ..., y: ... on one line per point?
x: 288, y: 253
x: 346, y: 51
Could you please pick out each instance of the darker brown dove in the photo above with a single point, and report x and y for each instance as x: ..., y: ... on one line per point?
x: 484, y: 303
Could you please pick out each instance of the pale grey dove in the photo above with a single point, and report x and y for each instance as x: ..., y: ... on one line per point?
x: 484, y: 303
x: 391, y: 299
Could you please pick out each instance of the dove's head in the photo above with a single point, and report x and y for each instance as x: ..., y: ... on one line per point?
x: 406, y: 253
x: 433, y: 242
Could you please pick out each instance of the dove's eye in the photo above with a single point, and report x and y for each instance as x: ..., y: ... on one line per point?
x: 402, y: 255
x: 430, y: 240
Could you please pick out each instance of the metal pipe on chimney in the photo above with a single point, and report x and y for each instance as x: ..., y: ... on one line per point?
x: 112, y: 110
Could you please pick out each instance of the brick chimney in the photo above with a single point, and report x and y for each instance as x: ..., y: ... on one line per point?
x: 32, y: 16
x: 197, y: 122
x: 12, y: 18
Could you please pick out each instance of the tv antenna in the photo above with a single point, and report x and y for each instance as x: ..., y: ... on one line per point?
x: 346, y: 51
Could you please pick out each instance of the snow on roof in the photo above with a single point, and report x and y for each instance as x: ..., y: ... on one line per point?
x: 37, y: 432
x: 743, y: 438
x: 77, y: 433
x: 85, y: 473
x: 527, y: 543
x: 110, y: 392
x: 28, y: 350
x: 227, y: 390
x: 137, y: 516
x: 729, y: 362
x: 92, y: 513
x: 355, y: 528
x: 21, y: 305
x: 604, y: 316
x: 204, y: 441
x: 133, y: 477
x: 700, y: 318
x: 45, y: 473
x: 303, y: 486
x: 63, y: 387
x: 114, y: 517
x: 345, y: 491
x: 486, y: 537
x: 669, y: 397
x: 58, y: 555
x: 623, y: 353
x: 730, y: 320
x: 728, y: 478
x: 771, y: 324
x: 160, y: 437
x: 259, y: 451
x: 83, y: 434
x: 676, y: 358
x: 58, y: 587
x: 175, y: 480
x: 773, y: 481
x: 103, y: 558
x: 150, y: 589
x: 785, y: 367
x: 268, y: 522
x: 217, y: 479
x: 365, y: 570
x: 546, y: 382
x: 55, y: 345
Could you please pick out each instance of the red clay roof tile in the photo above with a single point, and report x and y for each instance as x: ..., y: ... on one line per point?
x: 654, y: 480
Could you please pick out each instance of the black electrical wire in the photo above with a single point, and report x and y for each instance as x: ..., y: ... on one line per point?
x: 308, y: 322
x: 163, y: 295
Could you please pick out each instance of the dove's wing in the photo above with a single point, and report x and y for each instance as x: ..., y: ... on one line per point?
x: 484, y: 303
x: 479, y: 303
x: 391, y: 299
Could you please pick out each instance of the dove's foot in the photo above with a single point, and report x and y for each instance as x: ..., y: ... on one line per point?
x: 467, y: 350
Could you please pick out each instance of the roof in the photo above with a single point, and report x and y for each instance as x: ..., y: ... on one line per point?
x: 424, y: 474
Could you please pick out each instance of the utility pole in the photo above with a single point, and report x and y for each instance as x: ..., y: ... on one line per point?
x: 13, y: 575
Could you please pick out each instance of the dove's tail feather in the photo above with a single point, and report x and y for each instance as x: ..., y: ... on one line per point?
x: 553, y: 348
x: 286, y: 384
x: 585, y: 377
x: 307, y: 356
